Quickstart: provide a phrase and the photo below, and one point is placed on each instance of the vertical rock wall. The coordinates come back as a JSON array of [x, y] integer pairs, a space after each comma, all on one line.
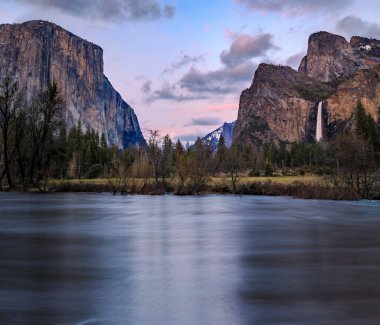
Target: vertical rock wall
[[36, 53]]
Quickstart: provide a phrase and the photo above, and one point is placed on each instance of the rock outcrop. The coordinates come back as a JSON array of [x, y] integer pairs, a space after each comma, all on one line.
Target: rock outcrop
[[364, 86], [330, 57], [278, 106], [36, 53], [281, 104]]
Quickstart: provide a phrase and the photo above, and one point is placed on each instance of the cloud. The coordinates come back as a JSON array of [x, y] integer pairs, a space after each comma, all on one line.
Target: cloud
[[222, 107], [170, 92], [237, 69], [183, 61], [146, 87], [245, 47], [296, 7], [221, 81], [107, 10], [191, 137], [236, 72], [206, 121], [169, 11], [295, 59], [140, 77], [351, 25]]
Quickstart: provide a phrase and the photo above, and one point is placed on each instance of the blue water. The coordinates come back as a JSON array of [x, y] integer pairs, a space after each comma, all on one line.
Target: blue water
[[103, 259]]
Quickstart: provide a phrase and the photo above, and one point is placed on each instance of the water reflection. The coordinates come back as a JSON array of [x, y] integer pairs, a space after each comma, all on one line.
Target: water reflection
[[319, 267], [102, 259]]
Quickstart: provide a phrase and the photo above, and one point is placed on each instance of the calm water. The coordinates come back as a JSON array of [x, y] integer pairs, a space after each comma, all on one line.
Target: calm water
[[103, 259]]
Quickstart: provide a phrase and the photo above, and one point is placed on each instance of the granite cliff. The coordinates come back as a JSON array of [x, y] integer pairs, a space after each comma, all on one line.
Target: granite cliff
[[36, 53], [281, 104], [331, 57]]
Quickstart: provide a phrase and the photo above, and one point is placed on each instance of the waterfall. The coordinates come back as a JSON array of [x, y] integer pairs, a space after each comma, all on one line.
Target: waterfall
[[318, 132]]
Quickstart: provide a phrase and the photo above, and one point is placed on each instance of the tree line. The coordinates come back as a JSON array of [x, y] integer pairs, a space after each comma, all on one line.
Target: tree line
[[35, 146]]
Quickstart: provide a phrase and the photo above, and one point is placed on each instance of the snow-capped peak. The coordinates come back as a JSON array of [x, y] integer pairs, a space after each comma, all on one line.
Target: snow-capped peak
[[213, 138], [366, 47]]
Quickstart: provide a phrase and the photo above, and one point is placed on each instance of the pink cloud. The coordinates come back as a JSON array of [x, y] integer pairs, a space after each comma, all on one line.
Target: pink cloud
[[296, 7], [247, 46], [222, 107], [230, 34]]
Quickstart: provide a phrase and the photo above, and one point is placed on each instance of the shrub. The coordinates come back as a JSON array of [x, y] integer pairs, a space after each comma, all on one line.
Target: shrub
[[95, 171]]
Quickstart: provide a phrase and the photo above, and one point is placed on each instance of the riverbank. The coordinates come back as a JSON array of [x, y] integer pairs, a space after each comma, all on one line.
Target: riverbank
[[305, 187]]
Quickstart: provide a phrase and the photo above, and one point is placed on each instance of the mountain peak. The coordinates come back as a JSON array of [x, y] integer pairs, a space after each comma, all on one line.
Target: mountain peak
[[366, 46], [326, 38], [44, 26], [329, 57], [212, 139]]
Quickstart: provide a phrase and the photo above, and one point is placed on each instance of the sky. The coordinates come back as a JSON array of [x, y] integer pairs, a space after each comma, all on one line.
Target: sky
[[182, 64]]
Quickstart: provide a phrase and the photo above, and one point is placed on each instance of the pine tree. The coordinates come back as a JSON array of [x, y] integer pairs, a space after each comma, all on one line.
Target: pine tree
[[220, 155], [167, 160], [360, 120]]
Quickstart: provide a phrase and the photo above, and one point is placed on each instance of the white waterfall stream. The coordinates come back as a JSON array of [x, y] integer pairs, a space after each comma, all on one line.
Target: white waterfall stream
[[318, 132]]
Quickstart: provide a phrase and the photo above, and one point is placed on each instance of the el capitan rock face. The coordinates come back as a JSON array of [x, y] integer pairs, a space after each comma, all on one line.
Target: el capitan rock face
[[36, 53], [281, 104]]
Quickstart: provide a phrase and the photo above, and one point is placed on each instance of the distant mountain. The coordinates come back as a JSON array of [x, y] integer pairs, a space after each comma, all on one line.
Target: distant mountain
[[212, 139]]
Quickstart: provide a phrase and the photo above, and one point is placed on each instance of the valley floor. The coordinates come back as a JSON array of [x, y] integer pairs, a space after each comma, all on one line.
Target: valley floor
[[306, 187]]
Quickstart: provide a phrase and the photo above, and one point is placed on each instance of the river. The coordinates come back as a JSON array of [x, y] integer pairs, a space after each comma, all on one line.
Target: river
[[214, 259]]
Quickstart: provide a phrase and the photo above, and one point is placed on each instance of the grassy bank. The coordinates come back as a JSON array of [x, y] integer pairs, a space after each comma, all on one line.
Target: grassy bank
[[306, 187]]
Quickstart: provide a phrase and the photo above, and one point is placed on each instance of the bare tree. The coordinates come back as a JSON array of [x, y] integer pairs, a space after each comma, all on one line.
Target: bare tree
[[198, 161], [10, 103], [233, 164], [154, 153], [43, 123]]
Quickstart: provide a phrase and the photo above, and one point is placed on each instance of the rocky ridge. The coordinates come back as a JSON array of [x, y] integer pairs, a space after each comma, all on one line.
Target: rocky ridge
[[212, 139], [330, 57], [281, 104], [36, 53]]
